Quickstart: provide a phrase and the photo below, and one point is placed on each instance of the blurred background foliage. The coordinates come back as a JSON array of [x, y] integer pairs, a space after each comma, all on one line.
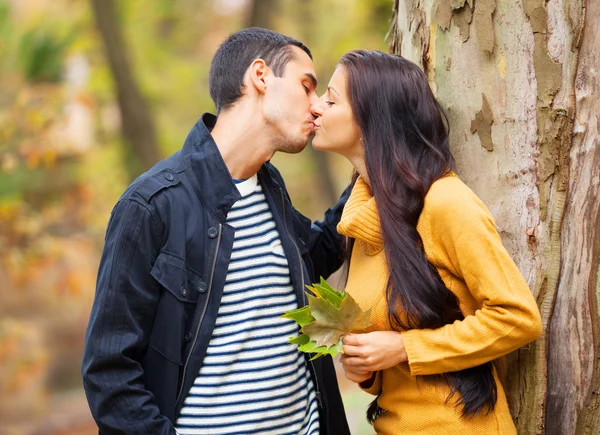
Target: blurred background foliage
[[91, 94]]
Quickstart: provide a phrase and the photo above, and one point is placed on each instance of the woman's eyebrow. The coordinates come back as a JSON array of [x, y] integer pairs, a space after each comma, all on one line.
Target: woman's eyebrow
[[329, 88]]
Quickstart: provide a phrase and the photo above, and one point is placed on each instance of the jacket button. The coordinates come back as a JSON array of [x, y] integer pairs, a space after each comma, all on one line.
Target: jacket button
[[169, 176], [212, 232], [183, 292], [202, 287], [187, 336]]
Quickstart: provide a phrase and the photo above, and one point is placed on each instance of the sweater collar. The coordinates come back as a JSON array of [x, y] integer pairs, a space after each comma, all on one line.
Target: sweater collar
[[360, 218]]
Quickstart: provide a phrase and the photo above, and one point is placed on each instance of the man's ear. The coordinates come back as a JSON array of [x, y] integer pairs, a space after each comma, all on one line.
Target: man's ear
[[258, 71]]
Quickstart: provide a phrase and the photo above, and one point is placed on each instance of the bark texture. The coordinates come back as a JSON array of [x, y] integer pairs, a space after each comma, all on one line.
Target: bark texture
[[262, 13], [136, 122], [320, 159], [519, 81]]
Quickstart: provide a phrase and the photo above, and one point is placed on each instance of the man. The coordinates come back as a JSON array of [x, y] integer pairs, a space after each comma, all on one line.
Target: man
[[203, 253]]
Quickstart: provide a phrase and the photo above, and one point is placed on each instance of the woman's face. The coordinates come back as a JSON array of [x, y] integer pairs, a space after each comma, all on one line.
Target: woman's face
[[335, 127]]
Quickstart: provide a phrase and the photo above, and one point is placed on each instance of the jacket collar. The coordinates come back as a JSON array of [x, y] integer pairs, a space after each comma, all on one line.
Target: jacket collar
[[206, 169], [360, 218]]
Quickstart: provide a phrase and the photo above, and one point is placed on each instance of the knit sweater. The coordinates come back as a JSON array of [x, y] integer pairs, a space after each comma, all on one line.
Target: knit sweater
[[501, 315]]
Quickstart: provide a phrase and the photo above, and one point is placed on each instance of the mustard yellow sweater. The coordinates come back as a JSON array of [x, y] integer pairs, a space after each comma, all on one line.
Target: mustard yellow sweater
[[501, 315]]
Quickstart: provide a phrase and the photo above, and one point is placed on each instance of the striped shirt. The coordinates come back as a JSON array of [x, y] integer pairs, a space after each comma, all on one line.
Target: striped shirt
[[252, 380]]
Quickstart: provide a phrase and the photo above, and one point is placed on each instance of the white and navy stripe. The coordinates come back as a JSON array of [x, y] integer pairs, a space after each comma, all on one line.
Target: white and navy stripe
[[252, 380]]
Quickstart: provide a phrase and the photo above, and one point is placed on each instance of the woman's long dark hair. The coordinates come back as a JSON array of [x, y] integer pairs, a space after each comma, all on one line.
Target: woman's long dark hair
[[405, 134]]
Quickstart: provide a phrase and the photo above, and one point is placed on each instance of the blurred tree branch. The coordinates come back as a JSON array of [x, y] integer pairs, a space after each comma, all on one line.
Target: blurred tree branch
[[137, 123]]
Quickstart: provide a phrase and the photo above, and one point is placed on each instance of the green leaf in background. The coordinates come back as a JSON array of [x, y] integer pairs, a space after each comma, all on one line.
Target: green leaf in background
[[42, 52], [328, 317]]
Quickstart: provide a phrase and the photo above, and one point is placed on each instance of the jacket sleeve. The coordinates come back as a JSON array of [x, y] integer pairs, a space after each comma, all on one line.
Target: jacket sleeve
[[121, 318], [469, 247], [325, 244]]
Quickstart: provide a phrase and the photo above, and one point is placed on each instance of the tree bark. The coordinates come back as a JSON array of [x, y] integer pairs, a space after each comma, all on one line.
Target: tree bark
[[519, 81], [136, 122], [574, 345], [319, 158], [261, 13]]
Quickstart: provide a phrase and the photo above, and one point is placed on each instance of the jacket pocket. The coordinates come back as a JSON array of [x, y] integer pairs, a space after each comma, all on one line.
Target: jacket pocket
[[181, 288], [183, 282]]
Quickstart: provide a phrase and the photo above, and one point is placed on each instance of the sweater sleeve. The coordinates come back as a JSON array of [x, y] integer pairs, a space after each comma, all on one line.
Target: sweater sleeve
[[373, 385], [465, 242]]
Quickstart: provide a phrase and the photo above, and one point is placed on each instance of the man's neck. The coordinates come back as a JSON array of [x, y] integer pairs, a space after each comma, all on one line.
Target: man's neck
[[242, 142]]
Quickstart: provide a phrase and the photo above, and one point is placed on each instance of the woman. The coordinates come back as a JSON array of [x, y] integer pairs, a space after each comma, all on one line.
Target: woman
[[446, 297]]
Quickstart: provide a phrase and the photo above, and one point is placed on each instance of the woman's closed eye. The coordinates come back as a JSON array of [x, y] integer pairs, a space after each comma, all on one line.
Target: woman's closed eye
[[329, 103]]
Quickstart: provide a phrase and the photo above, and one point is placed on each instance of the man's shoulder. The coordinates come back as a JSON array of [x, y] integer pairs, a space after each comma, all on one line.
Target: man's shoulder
[[162, 177]]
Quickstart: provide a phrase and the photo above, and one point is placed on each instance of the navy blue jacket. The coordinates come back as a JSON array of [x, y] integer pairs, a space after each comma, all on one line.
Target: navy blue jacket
[[161, 279]]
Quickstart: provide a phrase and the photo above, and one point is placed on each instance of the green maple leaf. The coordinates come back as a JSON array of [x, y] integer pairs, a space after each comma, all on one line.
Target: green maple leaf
[[332, 323], [328, 317], [301, 316], [326, 292]]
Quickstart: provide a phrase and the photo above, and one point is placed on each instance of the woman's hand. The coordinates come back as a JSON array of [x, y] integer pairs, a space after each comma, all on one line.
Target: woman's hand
[[357, 376], [370, 352]]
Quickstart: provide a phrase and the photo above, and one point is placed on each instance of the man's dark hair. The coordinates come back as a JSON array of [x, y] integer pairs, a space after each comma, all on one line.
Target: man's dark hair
[[235, 55]]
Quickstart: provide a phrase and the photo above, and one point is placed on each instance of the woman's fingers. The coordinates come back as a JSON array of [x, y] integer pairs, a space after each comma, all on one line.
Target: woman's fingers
[[352, 350], [351, 339], [373, 351], [357, 376], [351, 361], [356, 364], [357, 355], [358, 371]]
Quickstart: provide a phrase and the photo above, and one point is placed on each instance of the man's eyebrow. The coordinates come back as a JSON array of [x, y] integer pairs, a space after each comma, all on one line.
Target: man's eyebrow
[[312, 78], [331, 89]]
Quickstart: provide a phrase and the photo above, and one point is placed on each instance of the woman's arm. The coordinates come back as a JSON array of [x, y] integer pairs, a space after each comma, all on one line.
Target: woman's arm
[[466, 243]]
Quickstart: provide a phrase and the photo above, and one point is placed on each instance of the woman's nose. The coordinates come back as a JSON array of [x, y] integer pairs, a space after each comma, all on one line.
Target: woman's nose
[[317, 108]]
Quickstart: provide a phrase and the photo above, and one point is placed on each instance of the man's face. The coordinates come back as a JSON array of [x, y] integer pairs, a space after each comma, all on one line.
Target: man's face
[[287, 104]]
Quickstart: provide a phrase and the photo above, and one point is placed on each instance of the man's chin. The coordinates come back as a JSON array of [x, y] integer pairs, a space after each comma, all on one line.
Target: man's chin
[[299, 148], [293, 148]]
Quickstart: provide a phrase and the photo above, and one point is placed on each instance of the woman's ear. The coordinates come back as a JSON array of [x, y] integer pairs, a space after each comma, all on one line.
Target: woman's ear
[[258, 72]]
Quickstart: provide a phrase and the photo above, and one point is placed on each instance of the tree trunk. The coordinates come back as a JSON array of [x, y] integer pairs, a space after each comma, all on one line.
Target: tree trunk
[[519, 81], [319, 158], [262, 13], [136, 121]]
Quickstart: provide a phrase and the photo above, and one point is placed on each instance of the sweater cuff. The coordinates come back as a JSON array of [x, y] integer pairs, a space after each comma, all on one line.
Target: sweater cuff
[[410, 348], [373, 385]]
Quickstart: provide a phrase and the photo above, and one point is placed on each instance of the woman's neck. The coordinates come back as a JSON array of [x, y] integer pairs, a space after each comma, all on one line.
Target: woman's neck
[[358, 161]]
